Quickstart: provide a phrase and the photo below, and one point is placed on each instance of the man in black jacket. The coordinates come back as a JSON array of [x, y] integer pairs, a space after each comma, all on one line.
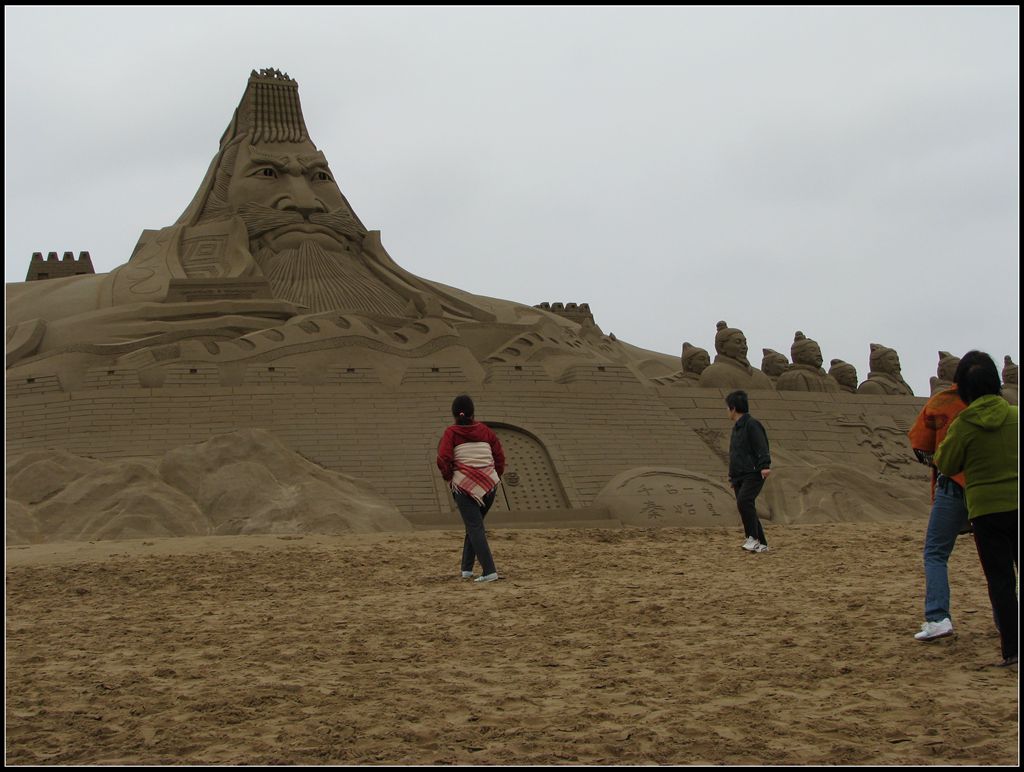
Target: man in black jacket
[[749, 466]]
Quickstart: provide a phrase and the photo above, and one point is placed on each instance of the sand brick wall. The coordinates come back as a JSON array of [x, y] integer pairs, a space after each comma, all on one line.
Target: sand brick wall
[[593, 426]]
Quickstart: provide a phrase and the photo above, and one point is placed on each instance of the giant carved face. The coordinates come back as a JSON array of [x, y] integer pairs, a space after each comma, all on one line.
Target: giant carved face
[[302, 234], [287, 195]]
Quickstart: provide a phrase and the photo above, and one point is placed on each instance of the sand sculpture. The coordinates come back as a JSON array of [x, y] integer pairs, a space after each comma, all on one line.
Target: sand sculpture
[[844, 374], [885, 376], [269, 306], [1009, 380], [943, 378], [731, 369], [806, 374], [773, 364], [270, 243], [58, 268], [694, 360]]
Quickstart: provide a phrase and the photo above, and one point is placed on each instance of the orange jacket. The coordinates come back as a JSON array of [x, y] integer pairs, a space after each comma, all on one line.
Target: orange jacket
[[929, 430]]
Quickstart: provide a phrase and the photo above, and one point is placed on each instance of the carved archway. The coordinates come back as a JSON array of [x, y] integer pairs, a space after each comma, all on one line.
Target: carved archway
[[531, 481]]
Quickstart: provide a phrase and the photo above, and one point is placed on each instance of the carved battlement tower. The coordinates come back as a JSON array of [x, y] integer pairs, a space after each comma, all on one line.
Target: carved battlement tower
[[575, 312], [58, 268]]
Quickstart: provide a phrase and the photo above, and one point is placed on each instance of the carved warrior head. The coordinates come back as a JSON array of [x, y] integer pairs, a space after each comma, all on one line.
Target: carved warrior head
[[805, 351], [731, 343], [884, 360], [695, 359], [947, 366], [844, 373], [773, 362], [1009, 370]]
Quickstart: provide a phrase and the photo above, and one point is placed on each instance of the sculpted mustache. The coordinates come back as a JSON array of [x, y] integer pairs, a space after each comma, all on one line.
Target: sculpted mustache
[[259, 219]]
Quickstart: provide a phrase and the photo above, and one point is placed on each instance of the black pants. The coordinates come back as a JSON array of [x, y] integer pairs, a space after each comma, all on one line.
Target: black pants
[[995, 536], [746, 489], [474, 546]]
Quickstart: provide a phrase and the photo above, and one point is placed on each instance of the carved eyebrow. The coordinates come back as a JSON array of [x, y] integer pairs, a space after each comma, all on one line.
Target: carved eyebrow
[[311, 162], [278, 161]]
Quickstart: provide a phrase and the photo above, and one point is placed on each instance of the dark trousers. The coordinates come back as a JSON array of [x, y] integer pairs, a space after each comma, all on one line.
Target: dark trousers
[[474, 546], [995, 536], [746, 489]]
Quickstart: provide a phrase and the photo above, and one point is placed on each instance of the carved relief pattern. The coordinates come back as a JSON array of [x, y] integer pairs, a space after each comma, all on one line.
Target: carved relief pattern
[[886, 439], [201, 256], [716, 441]]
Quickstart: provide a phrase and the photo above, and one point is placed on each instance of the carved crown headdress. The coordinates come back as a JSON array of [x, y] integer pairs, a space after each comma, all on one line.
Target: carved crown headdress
[[270, 110]]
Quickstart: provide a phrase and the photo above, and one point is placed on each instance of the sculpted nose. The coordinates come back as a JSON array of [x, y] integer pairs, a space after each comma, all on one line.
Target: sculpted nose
[[300, 198]]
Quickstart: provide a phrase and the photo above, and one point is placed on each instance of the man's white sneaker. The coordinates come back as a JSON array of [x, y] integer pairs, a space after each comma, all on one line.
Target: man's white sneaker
[[749, 544], [760, 547], [467, 574], [487, 577], [932, 630]]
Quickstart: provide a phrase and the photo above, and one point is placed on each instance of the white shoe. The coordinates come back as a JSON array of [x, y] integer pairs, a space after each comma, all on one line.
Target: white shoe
[[467, 574], [487, 577], [932, 630], [758, 547], [749, 544]]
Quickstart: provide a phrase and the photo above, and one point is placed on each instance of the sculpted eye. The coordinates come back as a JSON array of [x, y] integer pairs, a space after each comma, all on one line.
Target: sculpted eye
[[265, 171], [322, 177]]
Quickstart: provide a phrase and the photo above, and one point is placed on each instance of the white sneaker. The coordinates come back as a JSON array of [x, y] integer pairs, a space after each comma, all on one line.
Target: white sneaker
[[758, 547], [467, 574], [932, 630], [487, 577], [749, 544]]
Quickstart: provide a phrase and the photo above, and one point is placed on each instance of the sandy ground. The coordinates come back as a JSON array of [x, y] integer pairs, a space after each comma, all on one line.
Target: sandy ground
[[668, 646]]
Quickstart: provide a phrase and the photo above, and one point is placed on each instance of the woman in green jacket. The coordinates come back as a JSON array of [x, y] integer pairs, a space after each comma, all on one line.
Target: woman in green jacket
[[982, 441]]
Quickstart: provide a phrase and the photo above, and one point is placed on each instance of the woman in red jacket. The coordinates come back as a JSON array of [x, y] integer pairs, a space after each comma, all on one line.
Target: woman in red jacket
[[472, 461]]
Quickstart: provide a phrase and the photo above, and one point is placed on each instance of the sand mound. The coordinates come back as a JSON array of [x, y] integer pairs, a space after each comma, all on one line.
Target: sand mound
[[244, 482]]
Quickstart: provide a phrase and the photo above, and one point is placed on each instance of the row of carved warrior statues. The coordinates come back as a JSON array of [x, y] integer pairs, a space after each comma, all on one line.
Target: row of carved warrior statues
[[732, 370]]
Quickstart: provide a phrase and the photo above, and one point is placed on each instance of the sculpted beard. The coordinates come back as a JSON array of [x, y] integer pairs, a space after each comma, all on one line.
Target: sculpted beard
[[261, 219], [315, 276]]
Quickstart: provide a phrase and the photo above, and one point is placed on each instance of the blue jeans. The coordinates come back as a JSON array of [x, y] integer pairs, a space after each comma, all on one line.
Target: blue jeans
[[947, 520], [475, 546]]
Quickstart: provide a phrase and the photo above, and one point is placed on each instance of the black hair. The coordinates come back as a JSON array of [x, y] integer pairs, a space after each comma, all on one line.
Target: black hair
[[737, 400], [463, 410], [976, 376]]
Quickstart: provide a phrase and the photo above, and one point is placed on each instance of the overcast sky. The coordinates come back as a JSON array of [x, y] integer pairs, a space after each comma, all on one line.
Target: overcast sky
[[849, 172]]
